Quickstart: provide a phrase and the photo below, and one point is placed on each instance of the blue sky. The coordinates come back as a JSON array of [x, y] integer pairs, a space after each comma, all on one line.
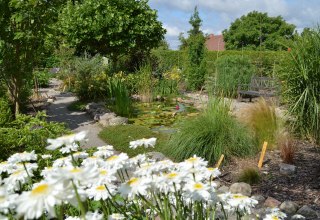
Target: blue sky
[[217, 15]]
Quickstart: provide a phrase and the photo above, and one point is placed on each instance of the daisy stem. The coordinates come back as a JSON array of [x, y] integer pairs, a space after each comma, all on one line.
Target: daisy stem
[[224, 211], [29, 177], [81, 206]]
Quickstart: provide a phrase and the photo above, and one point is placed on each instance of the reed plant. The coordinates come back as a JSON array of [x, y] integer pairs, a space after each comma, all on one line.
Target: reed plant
[[212, 133], [121, 97], [301, 79]]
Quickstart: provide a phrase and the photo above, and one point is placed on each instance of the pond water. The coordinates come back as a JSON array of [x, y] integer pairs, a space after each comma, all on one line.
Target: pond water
[[160, 116]]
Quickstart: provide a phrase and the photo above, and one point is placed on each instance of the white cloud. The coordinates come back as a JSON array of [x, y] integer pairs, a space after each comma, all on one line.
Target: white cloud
[[172, 31]]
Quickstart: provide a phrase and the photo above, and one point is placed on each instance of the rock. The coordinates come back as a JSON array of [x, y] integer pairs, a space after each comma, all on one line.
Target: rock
[[271, 202], [307, 212], [96, 117], [289, 207], [118, 121], [259, 198], [157, 156], [107, 116], [260, 213], [50, 100], [297, 216], [241, 188], [287, 169], [222, 189]]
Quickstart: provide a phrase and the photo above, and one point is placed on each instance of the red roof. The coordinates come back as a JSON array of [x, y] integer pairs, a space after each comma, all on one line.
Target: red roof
[[215, 42]]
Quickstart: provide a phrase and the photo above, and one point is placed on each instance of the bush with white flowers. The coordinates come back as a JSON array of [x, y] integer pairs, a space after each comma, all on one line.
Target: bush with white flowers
[[112, 186]]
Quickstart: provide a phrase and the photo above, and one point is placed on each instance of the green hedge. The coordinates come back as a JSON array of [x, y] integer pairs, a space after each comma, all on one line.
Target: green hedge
[[264, 60]]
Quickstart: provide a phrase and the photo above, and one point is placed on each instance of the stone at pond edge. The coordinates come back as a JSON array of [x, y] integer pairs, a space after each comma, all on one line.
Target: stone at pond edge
[[259, 198], [287, 169], [118, 121], [242, 188], [297, 216], [223, 189], [289, 207], [157, 156], [307, 212], [271, 202]]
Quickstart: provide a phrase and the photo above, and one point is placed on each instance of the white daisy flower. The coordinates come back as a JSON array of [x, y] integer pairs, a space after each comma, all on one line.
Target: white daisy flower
[[106, 176], [67, 141], [137, 160], [134, 186], [7, 201], [93, 160], [22, 157], [193, 162], [238, 202], [98, 192], [80, 155], [103, 153], [116, 216], [275, 214], [63, 162], [29, 166], [150, 142], [117, 161], [46, 156], [7, 167], [32, 204], [16, 180], [197, 191], [145, 169], [169, 182], [94, 216]]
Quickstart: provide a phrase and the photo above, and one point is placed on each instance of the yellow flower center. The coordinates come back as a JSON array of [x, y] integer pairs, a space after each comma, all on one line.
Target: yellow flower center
[[275, 218], [93, 157], [239, 197], [101, 188], [114, 157], [75, 170], [211, 168], [2, 198], [198, 186], [103, 172], [4, 163], [133, 181], [172, 175], [17, 172], [192, 160], [41, 189]]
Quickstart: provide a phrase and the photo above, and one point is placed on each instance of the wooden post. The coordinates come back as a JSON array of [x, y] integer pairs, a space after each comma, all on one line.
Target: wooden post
[[220, 161], [263, 152]]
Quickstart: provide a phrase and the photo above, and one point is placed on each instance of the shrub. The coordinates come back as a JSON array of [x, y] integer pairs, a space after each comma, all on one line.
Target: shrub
[[41, 78], [249, 175], [230, 72], [168, 84], [287, 148], [211, 134], [262, 118], [145, 83], [28, 133], [6, 115], [119, 136], [301, 77]]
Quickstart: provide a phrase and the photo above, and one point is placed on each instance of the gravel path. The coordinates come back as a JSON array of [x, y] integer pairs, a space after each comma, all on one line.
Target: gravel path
[[76, 121]]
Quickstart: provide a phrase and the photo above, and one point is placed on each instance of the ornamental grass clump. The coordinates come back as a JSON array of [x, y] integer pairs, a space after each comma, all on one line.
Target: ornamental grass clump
[[301, 80], [212, 133], [99, 186]]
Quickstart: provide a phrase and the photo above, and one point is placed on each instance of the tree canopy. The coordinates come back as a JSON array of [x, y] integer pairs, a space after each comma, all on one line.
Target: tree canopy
[[111, 27], [256, 31]]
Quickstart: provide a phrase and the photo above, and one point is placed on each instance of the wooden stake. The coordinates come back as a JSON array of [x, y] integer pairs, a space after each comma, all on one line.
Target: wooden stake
[[263, 152], [220, 161]]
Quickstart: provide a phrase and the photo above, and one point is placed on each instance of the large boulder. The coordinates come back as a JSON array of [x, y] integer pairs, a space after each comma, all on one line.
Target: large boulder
[[307, 212], [157, 156], [272, 202], [289, 207], [118, 121], [241, 188]]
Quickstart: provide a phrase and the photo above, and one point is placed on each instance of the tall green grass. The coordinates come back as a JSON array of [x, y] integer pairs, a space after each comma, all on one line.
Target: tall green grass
[[212, 133], [230, 72], [121, 96], [301, 78], [266, 125]]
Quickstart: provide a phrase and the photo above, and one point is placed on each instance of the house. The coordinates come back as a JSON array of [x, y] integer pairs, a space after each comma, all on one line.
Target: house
[[215, 43]]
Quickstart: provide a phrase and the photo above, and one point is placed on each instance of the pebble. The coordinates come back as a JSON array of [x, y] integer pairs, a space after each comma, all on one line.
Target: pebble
[[289, 207], [307, 212], [241, 188], [287, 169], [271, 202]]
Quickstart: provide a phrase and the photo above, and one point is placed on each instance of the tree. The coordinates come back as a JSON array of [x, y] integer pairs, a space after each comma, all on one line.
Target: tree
[[23, 27], [196, 69], [111, 27], [257, 31]]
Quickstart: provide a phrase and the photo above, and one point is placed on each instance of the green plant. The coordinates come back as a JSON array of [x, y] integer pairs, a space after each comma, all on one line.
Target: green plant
[[249, 175], [230, 72], [6, 115], [262, 118], [119, 136], [212, 133], [301, 78], [77, 106], [28, 133], [145, 83], [120, 93], [41, 78]]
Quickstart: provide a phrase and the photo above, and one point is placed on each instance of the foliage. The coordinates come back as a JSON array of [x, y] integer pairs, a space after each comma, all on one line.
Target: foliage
[[119, 136], [110, 28], [5, 112], [23, 28], [258, 31], [28, 133], [121, 96], [262, 118], [168, 84], [301, 80], [41, 78], [211, 134], [249, 175], [230, 72], [145, 83]]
